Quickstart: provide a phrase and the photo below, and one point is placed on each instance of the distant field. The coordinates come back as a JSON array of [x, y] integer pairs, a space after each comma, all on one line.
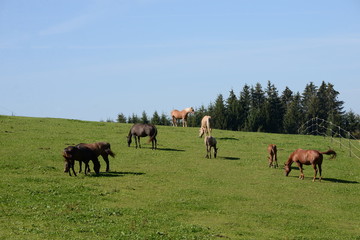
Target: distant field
[[172, 192]]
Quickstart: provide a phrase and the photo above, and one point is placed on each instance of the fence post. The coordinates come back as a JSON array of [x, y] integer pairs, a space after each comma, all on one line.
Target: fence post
[[339, 136]]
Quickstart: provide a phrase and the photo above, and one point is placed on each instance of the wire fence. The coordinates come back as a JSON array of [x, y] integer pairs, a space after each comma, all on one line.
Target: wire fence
[[338, 135]]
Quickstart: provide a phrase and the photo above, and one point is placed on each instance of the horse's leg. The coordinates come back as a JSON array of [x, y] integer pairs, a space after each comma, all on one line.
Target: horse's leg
[[106, 159], [80, 165], [315, 171], [319, 171], [276, 163], [139, 142], [301, 170], [155, 143], [73, 169], [136, 144]]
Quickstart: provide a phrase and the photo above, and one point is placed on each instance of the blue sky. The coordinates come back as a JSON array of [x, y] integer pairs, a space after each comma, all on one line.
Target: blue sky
[[91, 60]]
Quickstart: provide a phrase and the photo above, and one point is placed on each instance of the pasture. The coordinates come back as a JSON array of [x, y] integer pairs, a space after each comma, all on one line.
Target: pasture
[[173, 192]]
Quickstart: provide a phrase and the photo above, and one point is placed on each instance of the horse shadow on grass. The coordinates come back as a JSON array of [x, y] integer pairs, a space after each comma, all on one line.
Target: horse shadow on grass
[[171, 149], [116, 174], [230, 158], [228, 138], [336, 180]]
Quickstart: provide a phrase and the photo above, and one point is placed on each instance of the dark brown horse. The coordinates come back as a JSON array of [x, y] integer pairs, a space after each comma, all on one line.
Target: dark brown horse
[[307, 157], [272, 150], [99, 148], [142, 130], [79, 153]]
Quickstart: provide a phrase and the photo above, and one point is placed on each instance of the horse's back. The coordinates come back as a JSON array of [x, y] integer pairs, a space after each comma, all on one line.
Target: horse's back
[[307, 157]]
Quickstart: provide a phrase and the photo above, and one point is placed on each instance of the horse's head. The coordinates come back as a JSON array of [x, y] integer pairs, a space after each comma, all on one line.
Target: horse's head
[[190, 110], [129, 140]]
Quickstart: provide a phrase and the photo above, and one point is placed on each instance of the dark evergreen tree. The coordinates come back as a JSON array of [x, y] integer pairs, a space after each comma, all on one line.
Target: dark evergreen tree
[[165, 120], [310, 102], [255, 121], [232, 111], [144, 118], [156, 119], [133, 119], [293, 117], [121, 118], [219, 113], [286, 98], [273, 110], [244, 106]]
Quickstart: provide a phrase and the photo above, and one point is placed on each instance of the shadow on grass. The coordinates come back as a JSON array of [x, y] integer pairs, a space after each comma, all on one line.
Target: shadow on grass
[[229, 138], [338, 180], [171, 149], [116, 174], [230, 158]]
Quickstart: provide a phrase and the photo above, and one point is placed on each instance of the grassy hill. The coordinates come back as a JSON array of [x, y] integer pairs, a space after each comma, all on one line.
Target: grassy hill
[[173, 192]]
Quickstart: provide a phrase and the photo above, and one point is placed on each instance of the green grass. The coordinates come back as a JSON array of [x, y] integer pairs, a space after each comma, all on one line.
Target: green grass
[[173, 192]]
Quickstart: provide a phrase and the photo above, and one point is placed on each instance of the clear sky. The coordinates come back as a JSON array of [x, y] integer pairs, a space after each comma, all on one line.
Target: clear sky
[[90, 60]]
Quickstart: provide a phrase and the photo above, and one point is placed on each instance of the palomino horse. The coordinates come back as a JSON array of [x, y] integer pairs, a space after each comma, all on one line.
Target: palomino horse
[[175, 114], [205, 126], [307, 157], [142, 130], [272, 150]]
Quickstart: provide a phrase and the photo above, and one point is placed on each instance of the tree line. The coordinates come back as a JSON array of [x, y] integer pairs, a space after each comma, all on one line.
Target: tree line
[[258, 109]]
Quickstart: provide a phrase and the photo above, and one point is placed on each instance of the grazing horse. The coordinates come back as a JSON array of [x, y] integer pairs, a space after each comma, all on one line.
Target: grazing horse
[[205, 126], [210, 142], [272, 150], [175, 114], [80, 153], [142, 130], [99, 148], [307, 157]]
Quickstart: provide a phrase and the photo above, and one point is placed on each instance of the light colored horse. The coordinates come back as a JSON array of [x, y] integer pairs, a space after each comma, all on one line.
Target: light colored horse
[[210, 142], [205, 126], [175, 114]]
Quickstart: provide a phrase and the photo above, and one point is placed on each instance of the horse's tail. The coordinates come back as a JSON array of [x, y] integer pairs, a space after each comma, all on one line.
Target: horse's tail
[[153, 136], [330, 152], [208, 126]]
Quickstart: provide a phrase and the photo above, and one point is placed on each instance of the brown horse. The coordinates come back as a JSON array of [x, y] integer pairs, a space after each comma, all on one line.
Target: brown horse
[[81, 154], [99, 148], [142, 130], [307, 157], [272, 150], [175, 114], [205, 126]]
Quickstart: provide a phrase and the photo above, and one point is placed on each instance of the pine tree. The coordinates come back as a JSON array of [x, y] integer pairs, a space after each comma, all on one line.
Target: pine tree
[[293, 115], [219, 113], [165, 120], [310, 102], [244, 106], [273, 110], [121, 118], [144, 118], [255, 121], [232, 111], [155, 119]]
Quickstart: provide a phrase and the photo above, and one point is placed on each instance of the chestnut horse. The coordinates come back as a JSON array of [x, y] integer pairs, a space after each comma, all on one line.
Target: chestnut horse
[[307, 157], [205, 126], [272, 150], [175, 114]]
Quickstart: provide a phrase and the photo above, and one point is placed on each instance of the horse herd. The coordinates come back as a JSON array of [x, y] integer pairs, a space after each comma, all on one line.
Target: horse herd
[[90, 152]]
